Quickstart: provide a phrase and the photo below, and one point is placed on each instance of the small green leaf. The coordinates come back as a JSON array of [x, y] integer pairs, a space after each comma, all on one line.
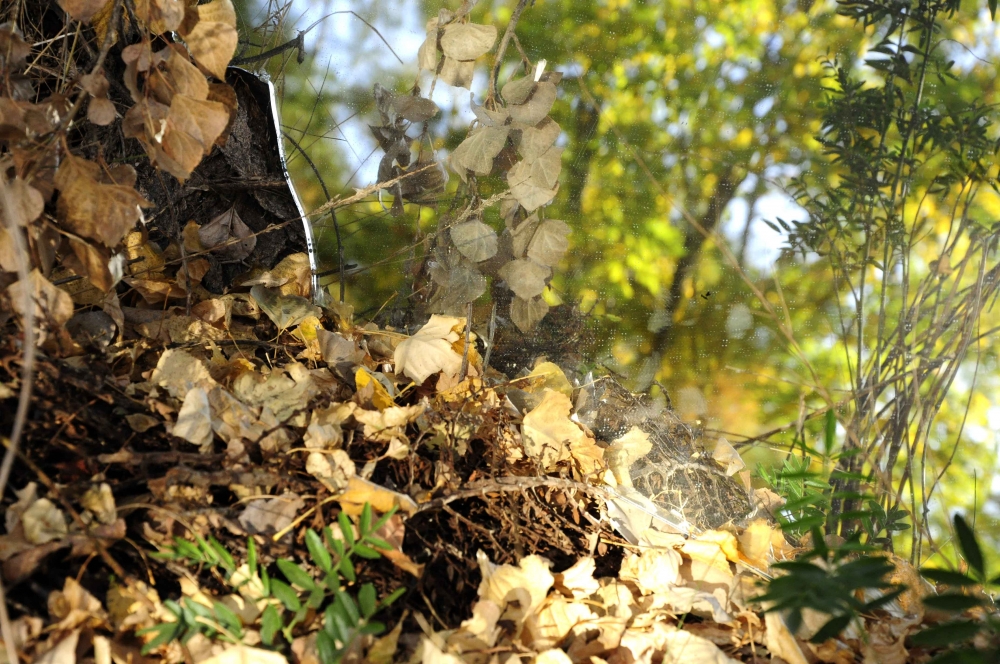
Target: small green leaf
[[346, 529], [832, 628], [207, 552], [347, 569], [187, 550], [382, 520], [378, 543], [165, 633], [367, 600], [284, 593], [332, 542], [265, 581], [374, 628], [393, 596], [225, 559], [993, 9], [317, 551], [251, 556], [830, 433], [952, 602], [336, 624], [295, 574], [270, 623], [227, 618], [970, 547], [350, 608], [316, 597], [328, 651], [945, 634], [365, 522], [948, 577], [366, 551]]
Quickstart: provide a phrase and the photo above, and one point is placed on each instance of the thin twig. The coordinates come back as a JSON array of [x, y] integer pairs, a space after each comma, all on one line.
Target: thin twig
[[333, 212], [11, 217], [502, 49]]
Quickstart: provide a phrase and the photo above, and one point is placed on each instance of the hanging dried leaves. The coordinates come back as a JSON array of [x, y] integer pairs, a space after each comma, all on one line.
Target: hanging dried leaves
[[209, 31], [475, 240], [92, 209], [525, 277], [451, 48]]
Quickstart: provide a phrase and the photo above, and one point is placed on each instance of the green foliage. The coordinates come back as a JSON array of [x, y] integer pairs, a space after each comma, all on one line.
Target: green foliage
[[829, 579], [292, 601], [968, 593]]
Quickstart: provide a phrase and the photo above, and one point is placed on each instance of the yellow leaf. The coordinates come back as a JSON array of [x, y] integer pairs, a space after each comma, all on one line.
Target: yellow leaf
[[381, 398]]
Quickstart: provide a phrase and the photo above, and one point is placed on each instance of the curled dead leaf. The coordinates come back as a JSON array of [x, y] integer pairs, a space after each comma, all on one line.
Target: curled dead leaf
[[430, 350], [475, 240], [525, 277], [549, 242], [91, 209], [209, 31], [467, 41]]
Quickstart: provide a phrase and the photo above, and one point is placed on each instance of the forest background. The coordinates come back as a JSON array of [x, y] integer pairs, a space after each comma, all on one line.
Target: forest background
[[671, 111]]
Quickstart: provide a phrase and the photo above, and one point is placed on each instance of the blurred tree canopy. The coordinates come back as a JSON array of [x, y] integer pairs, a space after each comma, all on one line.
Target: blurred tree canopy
[[685, 124]]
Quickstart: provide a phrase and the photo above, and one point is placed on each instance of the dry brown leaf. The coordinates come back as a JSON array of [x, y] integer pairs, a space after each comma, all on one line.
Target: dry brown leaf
[[43, 522], [526, 314], [27, 202], [525, 277], [549, 242], [140, 422], [92, 263], [467, 41], [372, 389], [333, 468], [546, 168], [430, 350], [360, 491], [209, 31], [534, 110], [271, 515], [527, 189], [548, 431], [522, 233], [517, 91], [427, 55], [241, 654], [160, 15], [285, 311], [228, 237], [532, 574], [535, 141], [194, 420], [780, 641], [101, 111], [102, 212], [101, 503], [477, 151], [293, 275], [51, 302], [63, 652], [83, 10], [172, 73], [488, 117], [179, 372], [475, 240], [414, 109], [13, 46], [726, 455], [457, 72]]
